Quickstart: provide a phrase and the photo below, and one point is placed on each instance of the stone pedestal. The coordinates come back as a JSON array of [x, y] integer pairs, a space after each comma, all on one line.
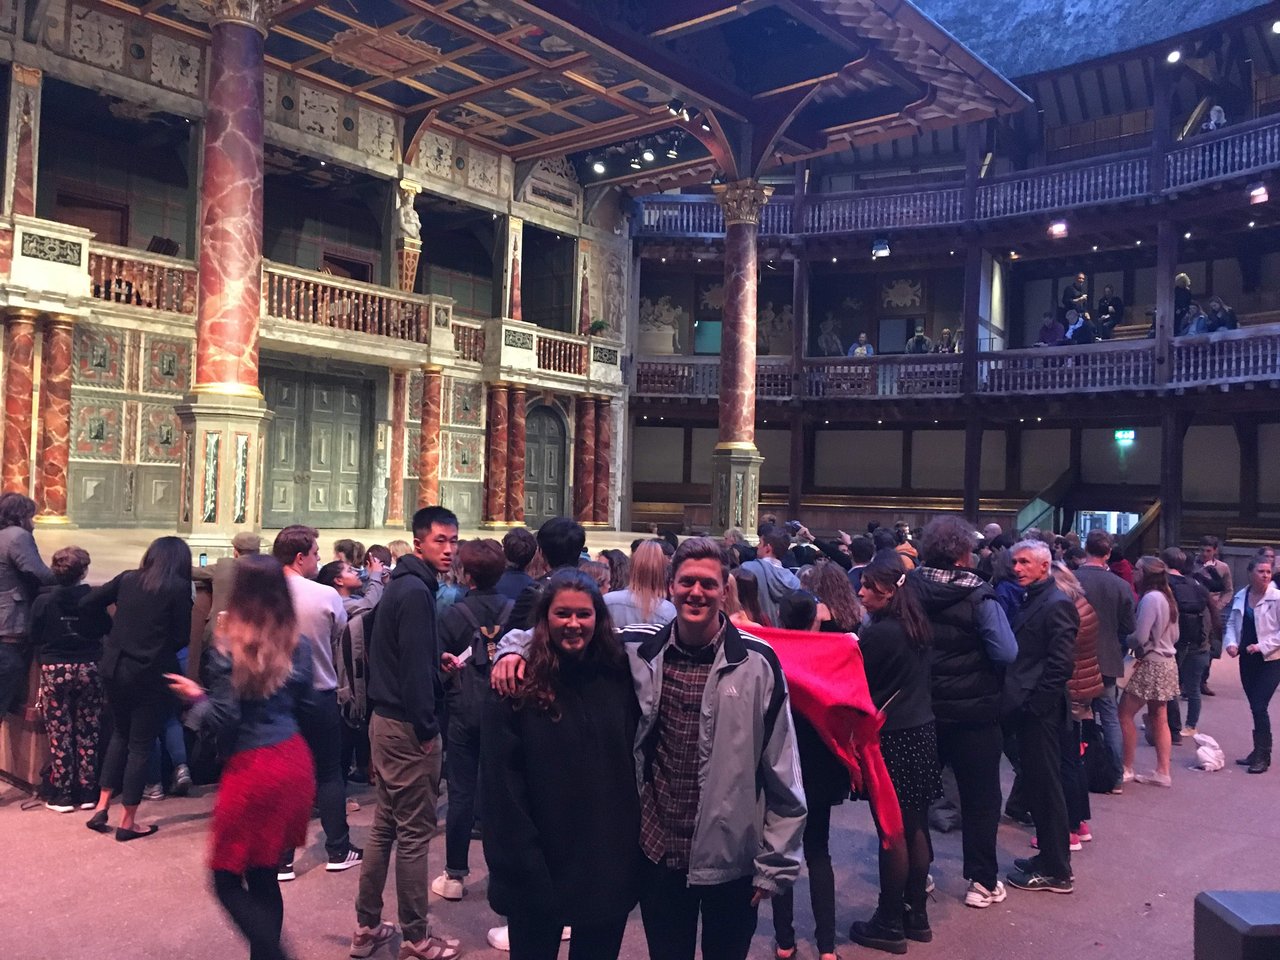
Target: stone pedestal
[[495, 468], [429, 438], [735, 488], [222, 468], [55, 423], [19, 375], [408, 251], [516, 448]]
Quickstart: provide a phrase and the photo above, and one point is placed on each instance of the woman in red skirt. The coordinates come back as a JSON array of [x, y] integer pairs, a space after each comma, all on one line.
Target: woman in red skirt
[[260, 683]]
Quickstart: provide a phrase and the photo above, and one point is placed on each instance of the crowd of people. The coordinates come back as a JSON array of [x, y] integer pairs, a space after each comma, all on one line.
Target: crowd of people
[[1078, 322], [619, 730]]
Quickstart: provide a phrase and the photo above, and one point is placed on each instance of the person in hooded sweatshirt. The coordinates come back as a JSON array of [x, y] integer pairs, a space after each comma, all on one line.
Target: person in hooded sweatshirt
[[972, 642], [775, 581]]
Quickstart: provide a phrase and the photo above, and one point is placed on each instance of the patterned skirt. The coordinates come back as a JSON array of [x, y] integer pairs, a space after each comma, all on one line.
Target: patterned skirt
[[912, 758], [1154, 678], [263, 806]]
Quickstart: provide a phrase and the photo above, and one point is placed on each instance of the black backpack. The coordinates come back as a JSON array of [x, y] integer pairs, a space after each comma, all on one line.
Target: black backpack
[[468, 689], [1192, 602]]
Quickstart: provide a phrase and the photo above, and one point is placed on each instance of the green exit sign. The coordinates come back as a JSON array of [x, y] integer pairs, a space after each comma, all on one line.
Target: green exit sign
[[1125, 437]]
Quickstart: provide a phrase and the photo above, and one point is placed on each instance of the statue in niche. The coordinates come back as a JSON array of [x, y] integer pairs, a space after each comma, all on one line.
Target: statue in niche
[[408, 222]]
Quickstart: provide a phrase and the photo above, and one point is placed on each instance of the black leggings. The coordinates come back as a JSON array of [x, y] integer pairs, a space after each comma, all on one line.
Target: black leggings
[[1260, 678], [254, 903], [904, 867], [822, 887]]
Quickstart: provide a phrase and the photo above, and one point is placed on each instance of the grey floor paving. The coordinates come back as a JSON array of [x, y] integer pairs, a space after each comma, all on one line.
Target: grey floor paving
[[69, 894]]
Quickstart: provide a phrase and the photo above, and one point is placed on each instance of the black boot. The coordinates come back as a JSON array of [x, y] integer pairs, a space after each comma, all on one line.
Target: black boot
[[1253, 754], [881, 932], [915, 923], [1262, 756]]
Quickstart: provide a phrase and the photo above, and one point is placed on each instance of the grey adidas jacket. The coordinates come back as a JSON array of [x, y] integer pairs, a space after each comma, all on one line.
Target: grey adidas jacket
[[751, 807]]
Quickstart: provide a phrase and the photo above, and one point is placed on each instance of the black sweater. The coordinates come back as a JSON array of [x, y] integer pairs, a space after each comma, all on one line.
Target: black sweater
[[894, 666], [149, 629], [62, 632], [404, 652], [560, 806]]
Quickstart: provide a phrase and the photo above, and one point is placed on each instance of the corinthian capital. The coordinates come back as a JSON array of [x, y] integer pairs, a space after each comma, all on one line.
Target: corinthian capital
[[250, 13], [742, 200]]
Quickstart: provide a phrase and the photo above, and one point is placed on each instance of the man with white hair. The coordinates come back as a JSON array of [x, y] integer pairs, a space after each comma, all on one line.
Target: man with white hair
[[1036, 699]]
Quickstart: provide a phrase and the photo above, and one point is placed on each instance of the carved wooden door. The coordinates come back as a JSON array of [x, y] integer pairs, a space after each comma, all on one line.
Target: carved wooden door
[[546, 449], [317, 451]]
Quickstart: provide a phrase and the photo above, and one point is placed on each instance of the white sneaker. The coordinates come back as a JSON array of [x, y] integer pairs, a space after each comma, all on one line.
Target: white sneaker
[[450, 888], [979, 896], [499, 939]]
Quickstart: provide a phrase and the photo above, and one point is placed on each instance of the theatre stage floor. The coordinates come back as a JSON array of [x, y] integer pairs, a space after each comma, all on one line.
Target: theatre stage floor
[[72, 894]]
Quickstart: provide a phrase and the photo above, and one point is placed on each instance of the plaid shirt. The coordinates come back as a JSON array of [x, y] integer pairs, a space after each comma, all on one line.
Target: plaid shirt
[[669, 797]]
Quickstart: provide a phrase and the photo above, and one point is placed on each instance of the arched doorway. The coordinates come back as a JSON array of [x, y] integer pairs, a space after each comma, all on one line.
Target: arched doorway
[[546, 452]]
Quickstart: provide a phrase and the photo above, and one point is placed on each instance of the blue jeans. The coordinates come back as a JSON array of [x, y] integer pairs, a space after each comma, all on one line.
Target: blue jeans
[[1104, 711], [463, 766], [1190, 674], [172, 738]]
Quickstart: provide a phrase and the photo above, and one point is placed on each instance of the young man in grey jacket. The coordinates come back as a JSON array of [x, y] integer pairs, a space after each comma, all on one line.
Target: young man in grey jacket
[[722, 808], [774, 580]]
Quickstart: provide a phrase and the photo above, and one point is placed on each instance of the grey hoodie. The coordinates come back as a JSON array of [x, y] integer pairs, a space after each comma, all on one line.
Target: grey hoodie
[[775, 581]]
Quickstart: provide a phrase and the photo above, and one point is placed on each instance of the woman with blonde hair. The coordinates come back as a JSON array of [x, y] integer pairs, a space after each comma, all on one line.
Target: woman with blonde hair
[[1155, 677], [645, 598], [260, 683]]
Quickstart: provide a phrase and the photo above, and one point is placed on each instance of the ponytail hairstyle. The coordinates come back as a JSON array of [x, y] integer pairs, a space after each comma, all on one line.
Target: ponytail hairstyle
[[887, 575]]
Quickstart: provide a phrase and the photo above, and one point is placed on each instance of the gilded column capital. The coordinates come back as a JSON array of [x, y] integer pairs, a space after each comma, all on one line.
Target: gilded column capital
[[27, 76], [249, 13], [59, 320], [742, 200], [21, 315]]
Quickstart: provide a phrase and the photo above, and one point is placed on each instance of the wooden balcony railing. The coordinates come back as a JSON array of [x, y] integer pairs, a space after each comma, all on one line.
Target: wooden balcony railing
[[1064, 186], [140, 279], [699, 377], [1235, 151], [327, 301], [561, 353], [1231, 356], [468, 339], [872, 210], [1092, 369], [884, 376]]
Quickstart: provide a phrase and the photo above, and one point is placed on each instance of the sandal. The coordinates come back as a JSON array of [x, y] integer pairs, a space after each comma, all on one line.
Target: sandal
[[124, 836], [98, 822]]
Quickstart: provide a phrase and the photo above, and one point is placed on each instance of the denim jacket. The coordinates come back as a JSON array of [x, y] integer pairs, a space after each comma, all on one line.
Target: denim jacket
[[246, 724]]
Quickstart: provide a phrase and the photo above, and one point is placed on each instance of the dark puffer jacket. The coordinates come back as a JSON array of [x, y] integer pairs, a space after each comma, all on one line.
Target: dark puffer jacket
[[1086, 680], [965, 681]]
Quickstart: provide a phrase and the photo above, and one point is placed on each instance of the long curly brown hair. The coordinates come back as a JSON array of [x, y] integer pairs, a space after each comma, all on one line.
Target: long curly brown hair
[[830, 584], [542, 670]]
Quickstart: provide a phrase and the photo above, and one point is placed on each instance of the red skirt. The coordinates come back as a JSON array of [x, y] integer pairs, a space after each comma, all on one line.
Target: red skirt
[[263, 806]]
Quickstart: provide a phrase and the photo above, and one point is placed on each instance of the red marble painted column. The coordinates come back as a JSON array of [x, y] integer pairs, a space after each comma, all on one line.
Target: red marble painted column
[[55, 422], [24, 124], [516, 455], [584, 460], [604, 452], [735, 482], [231, 205], [429, 438], [395, 465], [19, 374], [495, 468]]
